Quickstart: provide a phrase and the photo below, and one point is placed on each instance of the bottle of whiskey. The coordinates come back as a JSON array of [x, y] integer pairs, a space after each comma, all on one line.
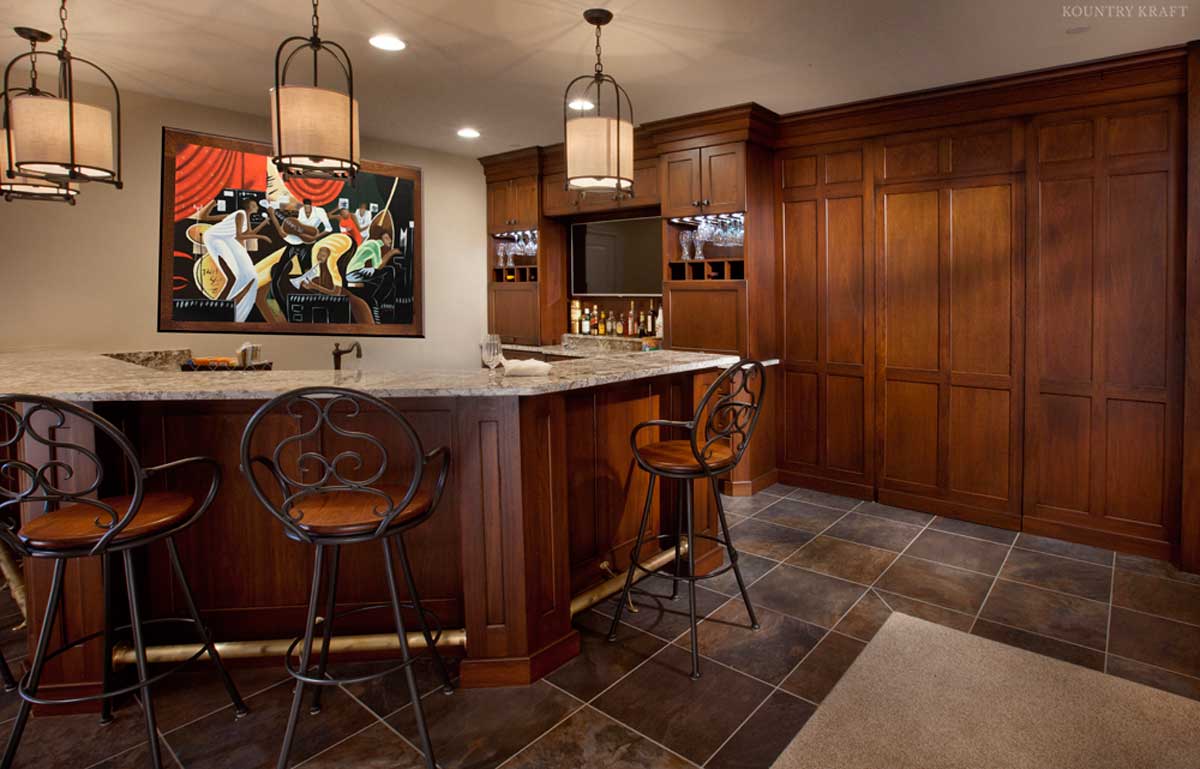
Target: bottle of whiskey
[[585, 323], [621, 324], [595, 321], [603, 323]]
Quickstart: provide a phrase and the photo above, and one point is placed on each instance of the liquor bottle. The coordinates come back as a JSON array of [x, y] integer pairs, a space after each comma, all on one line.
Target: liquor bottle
[[650, 321], [603, 323], [641, 323], [595, 321], [585, 323], [621, 324]]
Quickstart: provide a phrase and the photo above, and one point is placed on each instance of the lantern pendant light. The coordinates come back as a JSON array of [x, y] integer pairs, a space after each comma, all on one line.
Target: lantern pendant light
[[314, 130], [51, 141], [598, 127]]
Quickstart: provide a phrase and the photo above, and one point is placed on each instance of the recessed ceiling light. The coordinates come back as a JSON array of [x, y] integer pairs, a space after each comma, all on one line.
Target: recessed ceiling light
[[386, 42], [1078, 30], [468, 133], [579, 105]]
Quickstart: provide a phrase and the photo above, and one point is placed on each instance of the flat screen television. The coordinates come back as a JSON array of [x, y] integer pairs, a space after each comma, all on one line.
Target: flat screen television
[[617, 258]]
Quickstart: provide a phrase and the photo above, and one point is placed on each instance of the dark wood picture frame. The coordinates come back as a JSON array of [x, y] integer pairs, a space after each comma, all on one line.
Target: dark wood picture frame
[[172, 141]]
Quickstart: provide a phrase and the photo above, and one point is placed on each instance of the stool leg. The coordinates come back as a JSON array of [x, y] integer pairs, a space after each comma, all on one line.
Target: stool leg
[[327, 625], [239, 706], [6, 675], [139, 646], [733, 555], [106, 716], [406, 568], [687, 485], [634, 559], [413, 692], [678, 540], [39, 661], [305, 653]]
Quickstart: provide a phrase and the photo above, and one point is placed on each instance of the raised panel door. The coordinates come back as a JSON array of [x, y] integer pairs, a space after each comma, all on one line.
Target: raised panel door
[[513, 313], [1104, 382], [645, 185], [524, 203], [723, 178], [827, 422], [679, 182], [951, 275], [557, 200], [499, 206]]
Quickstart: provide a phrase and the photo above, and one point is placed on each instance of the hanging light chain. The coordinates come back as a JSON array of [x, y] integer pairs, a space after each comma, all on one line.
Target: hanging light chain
[[316, 19], [33, 86], [599, 65], [62, 23]]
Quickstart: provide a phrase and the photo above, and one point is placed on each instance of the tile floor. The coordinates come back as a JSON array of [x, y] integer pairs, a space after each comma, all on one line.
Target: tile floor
[[825, 573]]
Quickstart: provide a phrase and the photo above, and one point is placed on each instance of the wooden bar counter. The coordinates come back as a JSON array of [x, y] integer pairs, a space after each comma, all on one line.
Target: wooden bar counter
[[542, 504]]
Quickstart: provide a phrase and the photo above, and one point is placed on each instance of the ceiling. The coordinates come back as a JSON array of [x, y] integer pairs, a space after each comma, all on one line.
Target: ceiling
[[501, 65]]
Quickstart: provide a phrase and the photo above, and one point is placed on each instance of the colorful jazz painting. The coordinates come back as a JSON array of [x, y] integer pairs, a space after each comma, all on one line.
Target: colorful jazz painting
[[246, 250]]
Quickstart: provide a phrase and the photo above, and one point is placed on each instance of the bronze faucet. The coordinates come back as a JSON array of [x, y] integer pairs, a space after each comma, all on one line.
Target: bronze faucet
[[338, 352]]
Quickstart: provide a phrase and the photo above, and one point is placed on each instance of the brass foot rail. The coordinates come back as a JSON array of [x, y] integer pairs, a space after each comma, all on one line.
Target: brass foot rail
[[276, 647]]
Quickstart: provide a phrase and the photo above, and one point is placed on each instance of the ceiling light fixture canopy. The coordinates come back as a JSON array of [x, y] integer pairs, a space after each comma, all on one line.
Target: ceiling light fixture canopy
[[314, 130], [598, 126], [52, 142]]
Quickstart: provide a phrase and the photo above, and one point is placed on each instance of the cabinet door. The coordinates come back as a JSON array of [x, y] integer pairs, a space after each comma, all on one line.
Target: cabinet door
[[499, 195], [950, 278], [524, 203], [723, 178], [556, 199], [705, 316], [513, 313], [679, 182], [645, 185]]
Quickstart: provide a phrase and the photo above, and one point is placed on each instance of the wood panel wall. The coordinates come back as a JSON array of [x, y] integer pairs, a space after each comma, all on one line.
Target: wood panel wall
[[986, 318]]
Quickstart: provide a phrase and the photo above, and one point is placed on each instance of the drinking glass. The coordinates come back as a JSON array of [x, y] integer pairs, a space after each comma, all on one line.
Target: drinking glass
[[685, 245], [509, 250], [500, 254], [491, 354]]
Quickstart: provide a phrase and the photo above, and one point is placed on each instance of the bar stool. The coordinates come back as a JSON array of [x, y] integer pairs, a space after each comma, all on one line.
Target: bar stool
[[718, 435], [349, 497], [76, 525]]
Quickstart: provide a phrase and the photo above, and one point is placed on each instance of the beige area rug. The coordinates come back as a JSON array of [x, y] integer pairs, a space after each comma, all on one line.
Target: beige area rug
[[922, 696]]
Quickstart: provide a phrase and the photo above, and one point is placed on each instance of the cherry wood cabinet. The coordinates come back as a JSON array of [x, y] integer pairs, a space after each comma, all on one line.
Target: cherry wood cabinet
[[949, 337], [513, 312], [704, 180], [1105, 381], [557, 201], [708, 316], [513, 204]]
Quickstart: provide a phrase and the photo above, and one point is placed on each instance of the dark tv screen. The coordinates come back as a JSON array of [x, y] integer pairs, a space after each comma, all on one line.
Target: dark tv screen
[[621, 258]]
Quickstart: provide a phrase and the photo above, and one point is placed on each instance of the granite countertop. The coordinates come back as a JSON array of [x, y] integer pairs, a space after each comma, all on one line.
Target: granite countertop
[[77, 376], [552, 349]]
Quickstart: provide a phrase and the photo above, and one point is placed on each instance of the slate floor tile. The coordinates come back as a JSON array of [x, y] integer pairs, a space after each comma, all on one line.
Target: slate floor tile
[[843, 559], [822, 669], [806, 595]]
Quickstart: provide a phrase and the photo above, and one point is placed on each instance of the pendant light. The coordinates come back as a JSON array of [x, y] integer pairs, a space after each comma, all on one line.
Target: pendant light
[[314, 130], [52, 141], [598, 127]]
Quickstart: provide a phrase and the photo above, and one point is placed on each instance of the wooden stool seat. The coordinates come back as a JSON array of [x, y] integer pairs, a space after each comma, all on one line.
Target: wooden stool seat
[[73, 526], [346, 513], [678, 457]]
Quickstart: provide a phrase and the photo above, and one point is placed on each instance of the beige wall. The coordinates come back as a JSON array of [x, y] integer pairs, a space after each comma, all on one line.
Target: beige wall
[[86, 277]]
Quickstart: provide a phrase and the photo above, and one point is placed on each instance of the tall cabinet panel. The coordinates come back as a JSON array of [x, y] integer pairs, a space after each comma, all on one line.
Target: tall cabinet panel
[[949, 277], [826, 412], [1104, 384]]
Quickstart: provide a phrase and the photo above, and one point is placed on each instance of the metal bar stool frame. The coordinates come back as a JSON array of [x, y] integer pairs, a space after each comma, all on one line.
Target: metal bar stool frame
[[727, 414], [41, 489], [320, 403]]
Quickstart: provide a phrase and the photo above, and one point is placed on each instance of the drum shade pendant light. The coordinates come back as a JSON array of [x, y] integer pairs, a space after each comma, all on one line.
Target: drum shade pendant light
[[52, 140], [598, 127], [314, 130]]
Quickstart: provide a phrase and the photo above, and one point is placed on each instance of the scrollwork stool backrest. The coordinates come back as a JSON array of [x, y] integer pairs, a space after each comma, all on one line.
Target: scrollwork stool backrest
[[32, 423], [305, 464], [729, 412]]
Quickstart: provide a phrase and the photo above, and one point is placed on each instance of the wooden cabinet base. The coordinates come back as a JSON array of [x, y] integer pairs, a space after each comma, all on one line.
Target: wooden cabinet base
[[518, 671]]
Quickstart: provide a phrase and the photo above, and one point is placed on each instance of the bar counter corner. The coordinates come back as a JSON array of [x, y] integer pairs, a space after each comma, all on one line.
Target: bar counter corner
[[541, 507]]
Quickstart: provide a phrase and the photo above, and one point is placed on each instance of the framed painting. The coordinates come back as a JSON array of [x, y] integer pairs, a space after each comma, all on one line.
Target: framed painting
[[244, 250]]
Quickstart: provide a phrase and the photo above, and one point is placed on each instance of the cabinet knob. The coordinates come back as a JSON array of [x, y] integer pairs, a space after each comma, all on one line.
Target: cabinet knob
[[705, 202], [695, 204]]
